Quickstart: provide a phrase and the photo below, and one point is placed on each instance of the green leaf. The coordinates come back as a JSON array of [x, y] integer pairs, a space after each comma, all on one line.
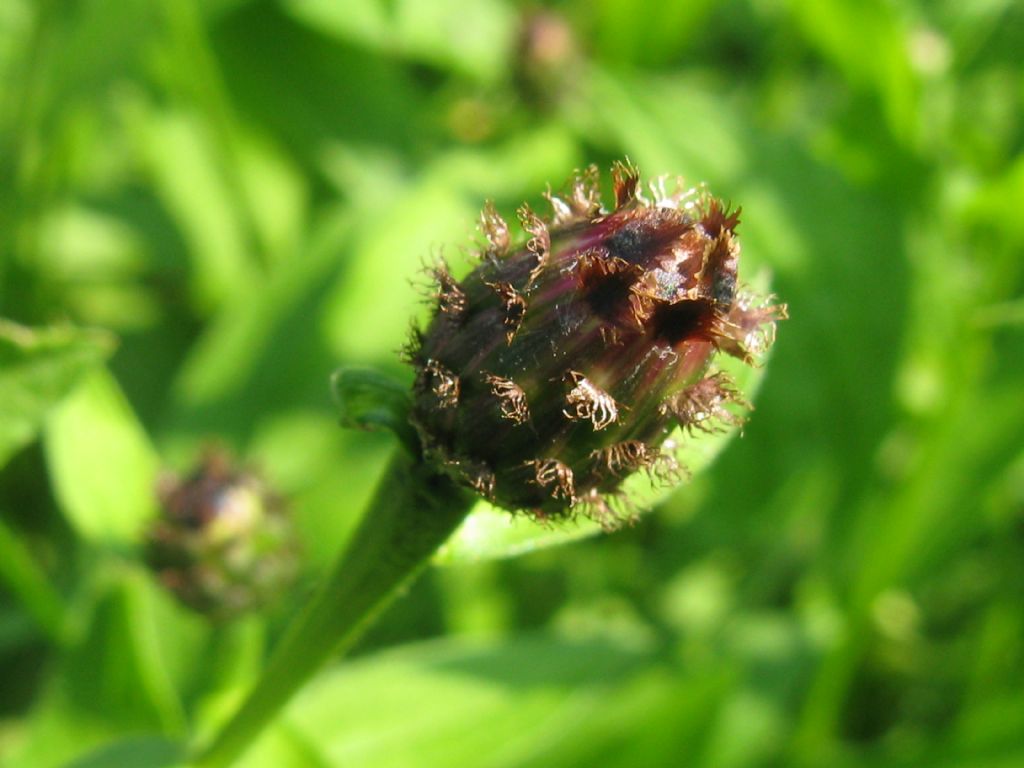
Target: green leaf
[[473, 39], [450, 703], [192, 184], [138, 752], [367, 314], [865, 41], [361, 21], [116, 679], [102, 464], [119, 671], [648, 31], [257, 330], [38, 367], [28, 583]]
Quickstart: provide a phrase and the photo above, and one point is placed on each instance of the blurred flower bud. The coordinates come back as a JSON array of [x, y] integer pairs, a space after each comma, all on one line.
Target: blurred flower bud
[[224, 544], [555, 370], [548, 59]]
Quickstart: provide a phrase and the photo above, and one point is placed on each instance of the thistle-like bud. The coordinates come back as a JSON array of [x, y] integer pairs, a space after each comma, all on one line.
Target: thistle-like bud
[[224, 544], [556, 369]]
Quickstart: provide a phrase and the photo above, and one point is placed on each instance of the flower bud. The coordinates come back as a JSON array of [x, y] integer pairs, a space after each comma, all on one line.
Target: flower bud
[[548, 60], [224, 544], [556, 369]]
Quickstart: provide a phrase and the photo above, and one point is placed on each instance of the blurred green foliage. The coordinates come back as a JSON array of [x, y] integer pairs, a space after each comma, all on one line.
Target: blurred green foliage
[[241, 194]]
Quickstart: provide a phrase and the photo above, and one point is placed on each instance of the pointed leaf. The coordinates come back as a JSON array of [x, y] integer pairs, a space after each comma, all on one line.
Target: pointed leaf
[[368, 399], [38, 367], [102, 463]]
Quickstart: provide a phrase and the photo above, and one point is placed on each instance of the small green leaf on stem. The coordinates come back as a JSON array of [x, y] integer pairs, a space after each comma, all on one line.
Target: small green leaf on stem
[[371, 400]]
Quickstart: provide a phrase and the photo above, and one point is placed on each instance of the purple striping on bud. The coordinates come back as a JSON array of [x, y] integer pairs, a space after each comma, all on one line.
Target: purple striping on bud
[[556, 369]]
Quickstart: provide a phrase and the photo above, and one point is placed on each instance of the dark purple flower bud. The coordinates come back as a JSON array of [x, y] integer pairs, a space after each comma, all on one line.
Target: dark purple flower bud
[[224, 544], [555, 370]]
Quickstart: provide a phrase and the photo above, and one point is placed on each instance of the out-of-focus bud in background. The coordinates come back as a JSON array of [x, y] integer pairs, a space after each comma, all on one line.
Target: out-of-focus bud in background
[[548, 57], [224, 544]]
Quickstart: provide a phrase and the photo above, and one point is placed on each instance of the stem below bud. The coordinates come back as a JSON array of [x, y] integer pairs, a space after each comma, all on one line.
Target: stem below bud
[[413, 512]]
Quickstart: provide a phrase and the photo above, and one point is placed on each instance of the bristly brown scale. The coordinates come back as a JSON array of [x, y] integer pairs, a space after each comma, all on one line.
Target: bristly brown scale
[[588, 402], [561, 211], [625, 458], [701, 406], [511, 398], [586, 345], [515, 307], [582, 203], [609, 510], [495, 231], [666, 470], [539, 243], [449, 296], [626, 183], [477, 476], [748, 331], [585, 193], [718, 219], [555, 478], [441, 383]]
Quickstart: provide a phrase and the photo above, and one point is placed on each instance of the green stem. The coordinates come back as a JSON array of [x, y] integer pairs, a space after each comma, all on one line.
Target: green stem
[[30, 585], [412, 514]]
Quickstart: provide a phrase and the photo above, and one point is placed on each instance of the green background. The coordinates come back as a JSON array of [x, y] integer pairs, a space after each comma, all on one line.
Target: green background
[[207, 207]]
